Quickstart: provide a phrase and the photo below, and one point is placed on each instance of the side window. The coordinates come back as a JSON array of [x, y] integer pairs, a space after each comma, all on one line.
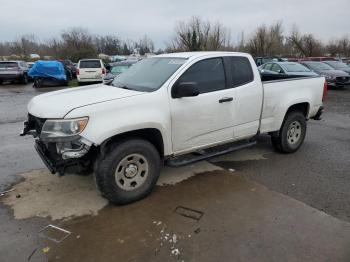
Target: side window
[[276, 68], [242, 72], [209, 75], [268, 66]]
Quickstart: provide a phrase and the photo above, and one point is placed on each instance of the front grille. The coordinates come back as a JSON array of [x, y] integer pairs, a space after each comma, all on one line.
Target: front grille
[[343, 79], [36, 123]]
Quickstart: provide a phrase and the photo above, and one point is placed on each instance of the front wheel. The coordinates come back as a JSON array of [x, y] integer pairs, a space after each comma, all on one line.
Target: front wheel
[[128, 172], [292, 133]]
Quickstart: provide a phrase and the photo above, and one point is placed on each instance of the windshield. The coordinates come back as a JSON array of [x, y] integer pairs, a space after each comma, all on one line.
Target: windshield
[[337, 65], [119, 69], [319, 66], [149, 74], [293, 67]]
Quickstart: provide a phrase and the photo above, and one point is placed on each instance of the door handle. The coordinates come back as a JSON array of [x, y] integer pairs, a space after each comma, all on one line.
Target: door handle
[[226, 99]]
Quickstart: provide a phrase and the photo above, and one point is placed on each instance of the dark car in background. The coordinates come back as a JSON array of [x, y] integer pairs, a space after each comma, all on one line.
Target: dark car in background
[[334, 78], [14, 71], [338, 66], [263, 60], [116, 69], [284, 70], [321, 58]]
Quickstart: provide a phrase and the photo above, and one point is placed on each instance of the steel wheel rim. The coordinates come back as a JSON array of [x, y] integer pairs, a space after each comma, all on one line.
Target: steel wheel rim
[[294, 132], [131, 172]]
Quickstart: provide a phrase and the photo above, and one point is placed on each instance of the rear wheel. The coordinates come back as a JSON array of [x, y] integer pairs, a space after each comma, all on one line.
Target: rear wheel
[[292, 133], [128, 172]]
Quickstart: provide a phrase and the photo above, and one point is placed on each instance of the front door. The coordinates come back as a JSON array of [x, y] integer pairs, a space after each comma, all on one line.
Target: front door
[[208, 118]]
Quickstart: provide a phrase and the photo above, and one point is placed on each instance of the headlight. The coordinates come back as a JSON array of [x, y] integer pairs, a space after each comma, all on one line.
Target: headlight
[[60, 128], [330, 77]]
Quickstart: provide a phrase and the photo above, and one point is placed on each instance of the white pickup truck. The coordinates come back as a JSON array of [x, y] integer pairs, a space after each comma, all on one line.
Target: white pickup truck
[[170, 109]]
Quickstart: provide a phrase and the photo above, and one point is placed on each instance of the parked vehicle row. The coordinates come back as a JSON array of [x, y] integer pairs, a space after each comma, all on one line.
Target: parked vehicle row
[[18, 71], [284, 70], [334, 77], [337, 74]]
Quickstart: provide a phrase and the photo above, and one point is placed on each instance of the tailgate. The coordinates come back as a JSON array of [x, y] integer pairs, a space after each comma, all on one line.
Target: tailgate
[[91, 73], [9, 68]]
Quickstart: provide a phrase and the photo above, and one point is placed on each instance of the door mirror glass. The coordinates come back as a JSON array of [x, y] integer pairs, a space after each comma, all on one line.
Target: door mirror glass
[[184, 89]]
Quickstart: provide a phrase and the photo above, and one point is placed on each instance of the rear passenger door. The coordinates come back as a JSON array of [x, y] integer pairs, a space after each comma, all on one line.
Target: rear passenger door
[[208, 118], [249, 96]]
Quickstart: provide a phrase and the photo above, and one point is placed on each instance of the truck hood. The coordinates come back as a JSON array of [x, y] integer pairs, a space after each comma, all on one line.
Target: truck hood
[[57, 104]]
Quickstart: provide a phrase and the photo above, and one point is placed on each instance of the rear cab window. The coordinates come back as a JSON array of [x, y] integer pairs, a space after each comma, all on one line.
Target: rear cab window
[[90, 64], [241, 71]]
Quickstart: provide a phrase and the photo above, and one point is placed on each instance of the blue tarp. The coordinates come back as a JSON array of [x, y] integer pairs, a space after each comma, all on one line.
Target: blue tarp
[[44, 69]]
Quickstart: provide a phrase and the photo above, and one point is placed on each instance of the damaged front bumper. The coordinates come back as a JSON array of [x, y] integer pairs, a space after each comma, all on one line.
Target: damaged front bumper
[[60, 163], [63, 155]]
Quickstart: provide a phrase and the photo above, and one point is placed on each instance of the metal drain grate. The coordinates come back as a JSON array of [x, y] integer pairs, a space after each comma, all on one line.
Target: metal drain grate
[[54, 233], [189, 212]]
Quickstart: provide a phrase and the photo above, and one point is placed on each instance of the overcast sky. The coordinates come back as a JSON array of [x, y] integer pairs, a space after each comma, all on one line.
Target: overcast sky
[[134, 18]]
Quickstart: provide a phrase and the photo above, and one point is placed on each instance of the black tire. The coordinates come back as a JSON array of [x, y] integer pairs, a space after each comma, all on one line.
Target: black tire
[[1, 82], [37, 83], [24, 79], [116, 186], [292, 133]]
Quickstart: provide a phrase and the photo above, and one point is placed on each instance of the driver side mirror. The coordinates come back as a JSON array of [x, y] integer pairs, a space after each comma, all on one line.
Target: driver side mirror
[[184, 89]]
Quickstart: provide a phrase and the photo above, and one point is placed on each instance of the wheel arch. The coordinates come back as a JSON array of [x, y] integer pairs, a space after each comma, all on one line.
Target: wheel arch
[[303, 107], [152, 135]]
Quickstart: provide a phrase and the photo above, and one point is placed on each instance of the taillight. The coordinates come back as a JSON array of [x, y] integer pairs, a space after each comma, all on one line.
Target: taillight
[[103, 71], [77, 71], [325, 90]]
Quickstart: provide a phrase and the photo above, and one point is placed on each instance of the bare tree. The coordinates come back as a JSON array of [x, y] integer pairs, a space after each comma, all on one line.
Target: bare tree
[[267, 41], [195, 35], [77, 43], [304, 45], [145, 45], [109, 45]]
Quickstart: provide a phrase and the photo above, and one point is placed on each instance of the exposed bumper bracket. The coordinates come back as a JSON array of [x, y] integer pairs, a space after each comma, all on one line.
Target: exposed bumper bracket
[[318, 116]]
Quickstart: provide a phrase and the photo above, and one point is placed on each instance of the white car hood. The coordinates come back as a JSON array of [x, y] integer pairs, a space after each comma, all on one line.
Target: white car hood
[[57, 104]]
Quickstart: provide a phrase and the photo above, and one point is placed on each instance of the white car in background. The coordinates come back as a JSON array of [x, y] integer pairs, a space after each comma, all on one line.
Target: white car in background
[[90, 71]]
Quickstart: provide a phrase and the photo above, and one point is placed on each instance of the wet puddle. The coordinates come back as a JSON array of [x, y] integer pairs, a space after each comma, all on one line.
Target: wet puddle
[[196, 213]]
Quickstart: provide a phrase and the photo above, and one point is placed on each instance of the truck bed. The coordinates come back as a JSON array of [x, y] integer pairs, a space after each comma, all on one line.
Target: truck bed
[[279, 94]]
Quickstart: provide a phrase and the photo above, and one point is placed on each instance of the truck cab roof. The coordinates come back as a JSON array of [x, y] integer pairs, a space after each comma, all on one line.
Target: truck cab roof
[[197, 54]]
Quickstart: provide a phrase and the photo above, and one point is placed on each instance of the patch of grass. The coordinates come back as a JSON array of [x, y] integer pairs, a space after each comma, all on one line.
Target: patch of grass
[[73, 83]]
